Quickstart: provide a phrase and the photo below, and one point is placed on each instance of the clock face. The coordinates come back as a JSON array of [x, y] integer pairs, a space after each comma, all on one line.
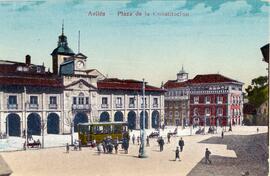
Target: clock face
[[80, 64]]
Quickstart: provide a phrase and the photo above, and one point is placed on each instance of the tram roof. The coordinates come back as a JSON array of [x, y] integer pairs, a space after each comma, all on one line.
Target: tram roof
[[104, 123]]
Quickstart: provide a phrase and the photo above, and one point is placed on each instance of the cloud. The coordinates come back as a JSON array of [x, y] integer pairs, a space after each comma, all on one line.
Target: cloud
[[136, 3], [26, 6], [215, 5]]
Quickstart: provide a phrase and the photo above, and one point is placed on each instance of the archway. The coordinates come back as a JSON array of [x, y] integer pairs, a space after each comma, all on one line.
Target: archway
[[33, 124], [13, 124], [118, 116], [80, 117], [132, 120], [155, 119], [104, 117], [146, 120], [53, 123]]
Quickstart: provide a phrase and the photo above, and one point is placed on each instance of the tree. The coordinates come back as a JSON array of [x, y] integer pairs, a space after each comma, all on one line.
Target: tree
[[257, 92]]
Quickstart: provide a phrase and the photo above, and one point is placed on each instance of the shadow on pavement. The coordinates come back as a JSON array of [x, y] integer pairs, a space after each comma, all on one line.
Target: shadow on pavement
[[251, 152]]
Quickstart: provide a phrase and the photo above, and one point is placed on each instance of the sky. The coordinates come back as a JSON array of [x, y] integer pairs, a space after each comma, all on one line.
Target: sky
[[207, 37]]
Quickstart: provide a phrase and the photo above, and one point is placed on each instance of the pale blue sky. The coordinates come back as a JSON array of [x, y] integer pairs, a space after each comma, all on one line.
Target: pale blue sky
[[217, 36]]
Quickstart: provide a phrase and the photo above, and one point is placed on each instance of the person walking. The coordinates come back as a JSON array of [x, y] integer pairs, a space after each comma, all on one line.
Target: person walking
[[169, 137], [161, 144], [207, 156], [257, 130], [138, 140], [222, 134], [99, 148], [67, 148], [116, 145], [133, 139], [177, 156], [181, 144], [147, 141]]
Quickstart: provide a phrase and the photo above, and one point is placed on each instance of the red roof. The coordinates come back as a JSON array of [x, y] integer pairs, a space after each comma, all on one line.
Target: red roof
[[174, 84], [32, 80], [211, 78], [117, 84]]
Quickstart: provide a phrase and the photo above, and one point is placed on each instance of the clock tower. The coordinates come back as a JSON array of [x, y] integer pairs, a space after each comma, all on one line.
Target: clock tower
[[61, 53]]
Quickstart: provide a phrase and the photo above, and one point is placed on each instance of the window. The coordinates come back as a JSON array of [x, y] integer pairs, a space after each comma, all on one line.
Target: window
[[196, 100], [74, 100], [155, 101], [86, 100], [33, 100], [53, 100], [170, 114], [176, 113], [145, 102], [195, 112], [219, 111], [119, 100], [207, 100], [132, 100], [219, 100], [104, 100], [12, 100], [207, 111]]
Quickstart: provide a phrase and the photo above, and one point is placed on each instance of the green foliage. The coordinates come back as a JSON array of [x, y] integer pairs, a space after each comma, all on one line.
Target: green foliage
[[257, 92]]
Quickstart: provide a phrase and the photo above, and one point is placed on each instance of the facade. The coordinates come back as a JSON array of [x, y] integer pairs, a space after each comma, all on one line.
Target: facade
[[212, 99], [177, 100], [33, 98]]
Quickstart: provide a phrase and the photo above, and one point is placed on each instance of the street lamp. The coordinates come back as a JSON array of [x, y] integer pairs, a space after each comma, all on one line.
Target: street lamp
[[142, 131], [71, 126]]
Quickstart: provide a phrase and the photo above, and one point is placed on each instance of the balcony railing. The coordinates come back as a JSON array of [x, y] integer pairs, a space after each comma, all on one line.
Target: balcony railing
[[52, 106], [12, 106], [155, 105], [33, 106], [81, 107], [104, 105], [131, 105], [119, 105]]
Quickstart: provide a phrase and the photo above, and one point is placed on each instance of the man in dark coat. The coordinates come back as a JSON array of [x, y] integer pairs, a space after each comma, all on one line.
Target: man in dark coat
[[177, 156], [207, 156], [161, 144], [181, 144], [222, 134]]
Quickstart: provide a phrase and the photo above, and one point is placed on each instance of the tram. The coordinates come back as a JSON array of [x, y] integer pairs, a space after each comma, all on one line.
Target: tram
[[88, 132]]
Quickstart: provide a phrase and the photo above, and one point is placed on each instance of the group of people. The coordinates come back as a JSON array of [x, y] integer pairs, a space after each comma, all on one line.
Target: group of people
[[139, 140], [108, 145]]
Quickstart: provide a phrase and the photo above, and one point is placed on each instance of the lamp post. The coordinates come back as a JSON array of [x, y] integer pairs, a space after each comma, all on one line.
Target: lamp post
[[26, 125], [43, 128], [142, 131]]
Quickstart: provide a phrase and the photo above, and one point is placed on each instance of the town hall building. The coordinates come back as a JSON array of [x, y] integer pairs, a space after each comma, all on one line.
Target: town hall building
[[36, 99]]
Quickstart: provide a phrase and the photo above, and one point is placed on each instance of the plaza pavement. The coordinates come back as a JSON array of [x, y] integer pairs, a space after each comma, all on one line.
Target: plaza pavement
[[55, 161]]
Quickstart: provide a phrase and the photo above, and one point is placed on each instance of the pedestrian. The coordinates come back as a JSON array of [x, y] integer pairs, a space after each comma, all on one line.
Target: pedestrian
[[138, 140], [24, 146], [99, 148], [67, 148], [222, 134], [257, 130], [181, 144], [169, 137], [177, 154], [133, 139], [80, 145], [125, 145], [147, 141], [116, 145], [104, 145], [207, 156], [161, 144]]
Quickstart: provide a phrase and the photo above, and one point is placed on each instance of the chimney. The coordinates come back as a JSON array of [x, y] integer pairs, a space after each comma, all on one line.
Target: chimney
[[27, 59]]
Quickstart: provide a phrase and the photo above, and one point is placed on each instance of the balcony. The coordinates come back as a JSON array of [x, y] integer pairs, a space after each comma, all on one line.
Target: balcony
[[81, 107], [12, 106], [104, 105], [52, 106], [131, 105], [119, 105], [156, 106], [33, 106]]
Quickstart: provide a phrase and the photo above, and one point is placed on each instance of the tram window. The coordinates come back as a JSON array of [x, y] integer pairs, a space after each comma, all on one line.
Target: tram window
[[107, 129]]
